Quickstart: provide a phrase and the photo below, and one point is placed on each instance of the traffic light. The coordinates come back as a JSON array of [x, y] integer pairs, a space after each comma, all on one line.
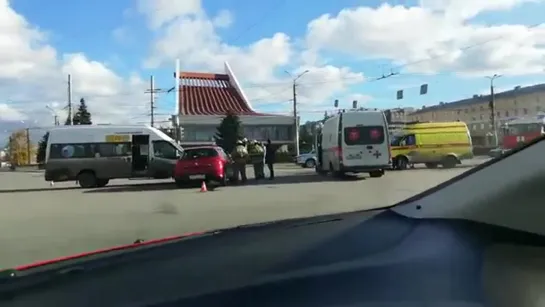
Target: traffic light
[[423, 89], [354, 104], [399, 94]]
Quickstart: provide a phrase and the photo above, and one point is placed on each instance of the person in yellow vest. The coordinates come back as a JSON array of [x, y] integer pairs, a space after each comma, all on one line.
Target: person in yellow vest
[[257, 158], [240, 158]]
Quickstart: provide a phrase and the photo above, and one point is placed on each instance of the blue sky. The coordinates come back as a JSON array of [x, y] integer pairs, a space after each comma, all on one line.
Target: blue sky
[[117, 36]]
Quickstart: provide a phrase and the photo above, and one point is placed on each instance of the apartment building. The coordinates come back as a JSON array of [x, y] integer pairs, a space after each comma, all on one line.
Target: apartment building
[[475, 111]]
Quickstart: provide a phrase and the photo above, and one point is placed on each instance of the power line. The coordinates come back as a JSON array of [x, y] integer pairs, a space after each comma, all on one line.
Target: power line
[[267, 14]]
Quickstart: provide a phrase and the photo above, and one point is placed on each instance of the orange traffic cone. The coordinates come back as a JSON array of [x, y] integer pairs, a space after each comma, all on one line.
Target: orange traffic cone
[[203, 187]]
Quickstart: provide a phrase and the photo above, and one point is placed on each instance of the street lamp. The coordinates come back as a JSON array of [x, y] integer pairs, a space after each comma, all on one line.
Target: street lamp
[[492, 107], [55, 116], [295, 118]]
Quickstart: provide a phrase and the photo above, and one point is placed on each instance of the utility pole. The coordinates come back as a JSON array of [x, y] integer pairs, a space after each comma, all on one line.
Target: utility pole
[[28, 145], [152, 91], [295, 117], [70, 121], [492, 107], [152, 99], [296, 124]]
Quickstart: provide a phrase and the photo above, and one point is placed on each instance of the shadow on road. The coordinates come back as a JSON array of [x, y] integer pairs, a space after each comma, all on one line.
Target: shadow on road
[[423, 168], [300, 178], [287, 179], [44, 189], [141, 187]]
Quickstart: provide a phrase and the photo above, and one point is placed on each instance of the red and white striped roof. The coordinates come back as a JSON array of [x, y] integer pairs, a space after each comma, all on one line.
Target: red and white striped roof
[[210, 94]]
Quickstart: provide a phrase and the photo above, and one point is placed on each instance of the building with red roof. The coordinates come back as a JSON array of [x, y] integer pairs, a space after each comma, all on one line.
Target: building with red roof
[[205, 98]]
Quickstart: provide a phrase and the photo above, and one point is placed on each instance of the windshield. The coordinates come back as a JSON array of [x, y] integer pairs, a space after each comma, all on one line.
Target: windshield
[[395, 140], [66, 189], [364, 135], [196, 153]]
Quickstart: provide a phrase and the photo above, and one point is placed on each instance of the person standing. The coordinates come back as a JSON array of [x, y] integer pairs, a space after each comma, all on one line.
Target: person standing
[[257, 156], [240, 157], [270, 158]]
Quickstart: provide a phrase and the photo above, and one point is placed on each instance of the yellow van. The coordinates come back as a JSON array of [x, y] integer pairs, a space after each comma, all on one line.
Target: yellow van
[[445, 143]]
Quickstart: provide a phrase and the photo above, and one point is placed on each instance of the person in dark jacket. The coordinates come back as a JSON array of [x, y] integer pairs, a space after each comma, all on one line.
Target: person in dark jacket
[[270, 158]]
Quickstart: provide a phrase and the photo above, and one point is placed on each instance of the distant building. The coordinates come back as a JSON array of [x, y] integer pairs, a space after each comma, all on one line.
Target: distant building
[[205, 98], [475, 111]]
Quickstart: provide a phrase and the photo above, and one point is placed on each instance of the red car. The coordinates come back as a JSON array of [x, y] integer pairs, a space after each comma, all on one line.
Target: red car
[[206, 163]]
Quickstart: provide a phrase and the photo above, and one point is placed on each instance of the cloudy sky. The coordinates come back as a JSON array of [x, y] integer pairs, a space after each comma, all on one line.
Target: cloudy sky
[[110, 48]]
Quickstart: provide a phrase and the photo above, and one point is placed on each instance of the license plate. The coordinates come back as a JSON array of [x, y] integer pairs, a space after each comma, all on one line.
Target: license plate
[[193, 177]]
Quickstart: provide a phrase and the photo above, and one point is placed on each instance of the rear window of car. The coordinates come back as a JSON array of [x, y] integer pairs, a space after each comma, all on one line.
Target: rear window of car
[[199, 153], [364, 135]]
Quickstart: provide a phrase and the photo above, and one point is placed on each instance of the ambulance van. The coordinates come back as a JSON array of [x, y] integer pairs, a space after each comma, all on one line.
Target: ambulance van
[[353, 142], [433, 144]]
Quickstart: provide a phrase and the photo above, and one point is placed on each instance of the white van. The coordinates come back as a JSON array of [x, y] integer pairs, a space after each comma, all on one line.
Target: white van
[[354, 142], [93, 155]]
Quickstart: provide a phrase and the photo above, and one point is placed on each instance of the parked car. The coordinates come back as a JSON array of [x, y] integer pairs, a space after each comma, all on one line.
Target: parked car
[[306, 160], [206, 163]]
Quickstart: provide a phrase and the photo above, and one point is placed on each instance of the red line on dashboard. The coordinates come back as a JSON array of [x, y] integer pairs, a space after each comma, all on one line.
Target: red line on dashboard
[[105, 250]]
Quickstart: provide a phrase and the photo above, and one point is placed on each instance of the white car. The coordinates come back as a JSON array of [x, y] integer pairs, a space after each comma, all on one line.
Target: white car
[[307, 160]]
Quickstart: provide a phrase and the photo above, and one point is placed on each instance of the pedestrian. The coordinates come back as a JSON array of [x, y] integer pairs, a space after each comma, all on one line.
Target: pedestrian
[[240, 157], [270, 158], [257, 157]]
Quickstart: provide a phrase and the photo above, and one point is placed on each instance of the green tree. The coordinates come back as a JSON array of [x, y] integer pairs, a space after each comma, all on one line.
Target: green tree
[[82, 116], [42, 145], [229, 132], [306, 137]]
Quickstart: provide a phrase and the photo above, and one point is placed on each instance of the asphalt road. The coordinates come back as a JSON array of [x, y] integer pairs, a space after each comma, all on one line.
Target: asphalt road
[[39, 222]]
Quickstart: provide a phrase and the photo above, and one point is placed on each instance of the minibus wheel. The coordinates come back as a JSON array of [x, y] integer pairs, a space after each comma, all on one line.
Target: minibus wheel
[[87, 179]]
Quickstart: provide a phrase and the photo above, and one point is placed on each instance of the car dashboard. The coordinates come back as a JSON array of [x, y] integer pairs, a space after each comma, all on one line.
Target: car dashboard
[[377, 258]]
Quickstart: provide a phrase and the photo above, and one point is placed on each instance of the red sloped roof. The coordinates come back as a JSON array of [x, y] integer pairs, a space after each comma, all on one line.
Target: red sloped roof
[[210, 94]]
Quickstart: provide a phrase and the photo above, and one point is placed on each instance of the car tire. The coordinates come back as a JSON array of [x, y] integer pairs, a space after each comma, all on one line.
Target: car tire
[[449, 162], [376, 174], [310, 163], [87, 180], [223, 180]]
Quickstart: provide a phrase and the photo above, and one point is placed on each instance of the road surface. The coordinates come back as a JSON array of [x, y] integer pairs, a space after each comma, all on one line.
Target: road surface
[[39, 222]]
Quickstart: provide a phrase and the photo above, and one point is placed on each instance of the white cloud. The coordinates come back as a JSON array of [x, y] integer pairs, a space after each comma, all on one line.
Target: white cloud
[[224, 19], [7, 113], [33, 74], [362, 99], [437, 29], [261, 62]]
